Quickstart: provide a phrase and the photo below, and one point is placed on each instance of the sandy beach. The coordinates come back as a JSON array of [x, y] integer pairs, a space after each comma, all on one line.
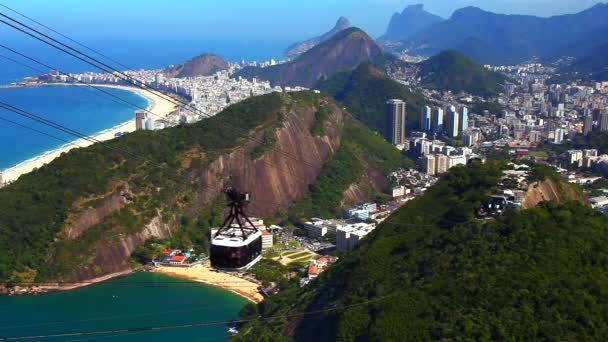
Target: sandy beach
[[245, 288], [159, 106]]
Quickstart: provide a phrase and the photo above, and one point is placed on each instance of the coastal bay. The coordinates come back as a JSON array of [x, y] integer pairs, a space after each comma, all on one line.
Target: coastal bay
[[138, 300], [156, 104]]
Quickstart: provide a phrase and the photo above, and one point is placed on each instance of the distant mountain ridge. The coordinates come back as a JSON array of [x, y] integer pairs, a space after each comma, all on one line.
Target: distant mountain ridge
[[343, 52], [507, 39], [299, 48], [412, 20], [203, 65]]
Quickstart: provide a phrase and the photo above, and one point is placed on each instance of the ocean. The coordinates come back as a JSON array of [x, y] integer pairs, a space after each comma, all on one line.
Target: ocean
[[82, 109], [138, 300]]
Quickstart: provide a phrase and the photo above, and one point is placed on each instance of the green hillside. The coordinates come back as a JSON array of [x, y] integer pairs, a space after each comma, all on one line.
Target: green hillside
[[155, 164], [433, 272], [364, 92], [452, 70]]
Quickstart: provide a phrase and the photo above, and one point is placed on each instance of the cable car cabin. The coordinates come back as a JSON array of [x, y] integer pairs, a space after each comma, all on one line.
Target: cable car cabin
[[231, 251]]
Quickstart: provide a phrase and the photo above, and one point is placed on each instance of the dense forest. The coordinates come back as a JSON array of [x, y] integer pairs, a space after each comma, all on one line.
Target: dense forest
[[452, 70], [434, 272], [364, 93], [154, 164]]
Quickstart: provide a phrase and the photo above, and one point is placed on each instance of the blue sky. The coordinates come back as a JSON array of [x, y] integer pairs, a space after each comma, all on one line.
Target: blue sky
[[248, 18]]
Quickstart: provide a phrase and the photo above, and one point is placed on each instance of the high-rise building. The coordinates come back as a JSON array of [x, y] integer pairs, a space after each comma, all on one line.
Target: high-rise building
[[463, 122], [588, 124], [452, 122], [425, 119], [603, 122], [558, 138], [428, 164], [437, 124], [395, 121], [140, 119], [441, 164]]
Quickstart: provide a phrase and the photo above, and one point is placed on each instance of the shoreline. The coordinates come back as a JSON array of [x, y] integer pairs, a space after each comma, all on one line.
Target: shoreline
[[156, 104], [226, 281]]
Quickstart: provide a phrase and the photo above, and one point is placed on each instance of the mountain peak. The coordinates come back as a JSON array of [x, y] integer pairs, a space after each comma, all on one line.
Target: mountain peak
[[299, 48], [413, 19], [342, 23]]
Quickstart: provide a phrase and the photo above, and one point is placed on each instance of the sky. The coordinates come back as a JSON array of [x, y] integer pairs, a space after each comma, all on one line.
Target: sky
[[248, 18]]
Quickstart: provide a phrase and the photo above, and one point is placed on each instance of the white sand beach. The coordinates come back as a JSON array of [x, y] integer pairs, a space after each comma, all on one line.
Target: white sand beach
[[205, 274], [159, 106]]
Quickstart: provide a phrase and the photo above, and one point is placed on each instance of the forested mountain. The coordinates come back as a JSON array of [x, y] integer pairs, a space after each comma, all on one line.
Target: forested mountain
[[413, 19], [203, 65], [299, 48], [364, 92], [593, 66], [343, 52], [432, 271], [452, 70], [491, 38], [82, 215]]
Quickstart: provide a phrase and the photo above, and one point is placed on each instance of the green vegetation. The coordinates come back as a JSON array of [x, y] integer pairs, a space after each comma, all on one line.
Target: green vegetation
[[269, 271], [433, 272], [325, 196], [321, 115], [154, 165], [364, 93], [597, 140], [452, 70], [268, 141]]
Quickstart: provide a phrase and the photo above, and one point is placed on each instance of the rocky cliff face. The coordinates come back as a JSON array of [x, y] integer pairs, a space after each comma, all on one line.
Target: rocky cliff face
[[276, 179], [550, 190]]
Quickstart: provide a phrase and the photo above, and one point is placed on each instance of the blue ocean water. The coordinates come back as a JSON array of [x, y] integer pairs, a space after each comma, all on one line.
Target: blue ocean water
[[80, 108], [138, 300]]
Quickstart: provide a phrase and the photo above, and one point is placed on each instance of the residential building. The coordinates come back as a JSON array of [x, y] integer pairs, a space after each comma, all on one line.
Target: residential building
[[588, 124], [437, 120], [317, 227], [452, 122], [575, 156], [349, 235], [140, 119], [603, 122], [463, 121], [558, 138], [441, 164], [428, 164], [425, 119], [395, 121], [267, 238]]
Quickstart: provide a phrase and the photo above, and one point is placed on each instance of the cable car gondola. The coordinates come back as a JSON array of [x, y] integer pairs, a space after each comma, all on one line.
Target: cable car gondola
[[237, 244]]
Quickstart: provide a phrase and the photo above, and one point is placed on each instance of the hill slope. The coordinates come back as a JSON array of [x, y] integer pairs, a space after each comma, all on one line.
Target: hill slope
[[451, 70], [82, 215], [432, 272], [343, 52], [593, 66], [508, 39], [364, 92], [299, 48], [413, 19], [203, 65]]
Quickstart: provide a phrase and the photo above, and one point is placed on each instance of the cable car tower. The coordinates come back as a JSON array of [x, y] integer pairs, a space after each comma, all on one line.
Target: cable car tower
[[237, 244]]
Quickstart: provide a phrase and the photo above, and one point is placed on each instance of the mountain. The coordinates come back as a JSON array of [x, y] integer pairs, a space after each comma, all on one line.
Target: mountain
[[432, 272], [203, 65], [593, 66], [343, 52], [364, 92], [452, 70], [412, 20], [491, 38], [82, 215], [299, 48]]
